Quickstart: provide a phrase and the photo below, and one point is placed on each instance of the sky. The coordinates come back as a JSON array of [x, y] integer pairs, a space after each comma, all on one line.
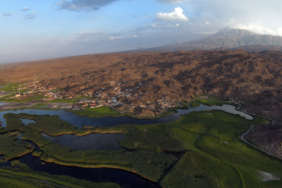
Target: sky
[[32, 29]]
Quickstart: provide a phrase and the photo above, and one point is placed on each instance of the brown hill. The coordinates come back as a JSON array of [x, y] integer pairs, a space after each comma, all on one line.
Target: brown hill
[[267, 137], [253, 77]]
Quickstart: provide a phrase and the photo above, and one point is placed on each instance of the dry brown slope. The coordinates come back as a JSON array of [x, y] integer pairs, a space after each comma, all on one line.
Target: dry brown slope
[[253, 77]]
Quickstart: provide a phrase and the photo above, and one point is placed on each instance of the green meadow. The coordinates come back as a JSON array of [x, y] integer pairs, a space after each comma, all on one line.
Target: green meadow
[[97, 112]]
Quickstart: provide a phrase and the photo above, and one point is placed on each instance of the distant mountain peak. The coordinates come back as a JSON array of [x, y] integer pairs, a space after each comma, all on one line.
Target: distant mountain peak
[[227, 38], [234, 32]]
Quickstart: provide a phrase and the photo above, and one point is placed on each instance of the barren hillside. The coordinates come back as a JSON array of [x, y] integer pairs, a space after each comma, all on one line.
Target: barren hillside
[[252, 77]]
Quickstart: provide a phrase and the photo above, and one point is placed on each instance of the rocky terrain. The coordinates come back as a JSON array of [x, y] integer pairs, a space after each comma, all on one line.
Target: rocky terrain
[[251, 77], [267, 137]]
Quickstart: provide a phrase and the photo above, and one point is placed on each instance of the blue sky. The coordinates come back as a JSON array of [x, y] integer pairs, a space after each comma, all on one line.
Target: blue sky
[[33, 29]]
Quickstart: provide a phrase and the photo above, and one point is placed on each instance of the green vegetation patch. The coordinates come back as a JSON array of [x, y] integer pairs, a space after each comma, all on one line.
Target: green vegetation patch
[[62, 101], [211, 101], [149, 164], [10, 148], [187, 173], [11, 87], [97, 112], [33, 97], [40, 105]]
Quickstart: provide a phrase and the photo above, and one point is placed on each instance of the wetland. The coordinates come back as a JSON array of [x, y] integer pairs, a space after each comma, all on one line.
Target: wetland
[[131, 152]]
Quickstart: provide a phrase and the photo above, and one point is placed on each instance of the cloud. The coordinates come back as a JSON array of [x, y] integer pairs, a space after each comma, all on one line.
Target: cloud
[[161, 26], [257, 28], [176, 15], [89, 32], [171, 1], [115, 37], [25, 9], [87, 5], [8, 14], [31, 16], [263, 17]]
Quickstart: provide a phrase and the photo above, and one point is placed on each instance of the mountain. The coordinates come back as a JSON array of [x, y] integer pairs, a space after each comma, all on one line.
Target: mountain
[[226, 39]]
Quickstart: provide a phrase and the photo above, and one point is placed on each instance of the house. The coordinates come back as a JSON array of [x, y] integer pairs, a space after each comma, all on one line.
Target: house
[[18, 95], [143, 106], [114, 100]]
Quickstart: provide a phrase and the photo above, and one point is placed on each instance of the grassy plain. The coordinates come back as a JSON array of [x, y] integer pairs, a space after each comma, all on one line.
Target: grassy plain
[[33, 97]]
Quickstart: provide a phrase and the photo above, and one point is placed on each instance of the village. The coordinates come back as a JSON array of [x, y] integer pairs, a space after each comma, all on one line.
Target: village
[[115, 96]]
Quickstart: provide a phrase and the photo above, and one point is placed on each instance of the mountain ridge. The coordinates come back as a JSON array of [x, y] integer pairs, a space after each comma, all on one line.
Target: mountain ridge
[[227, 39]]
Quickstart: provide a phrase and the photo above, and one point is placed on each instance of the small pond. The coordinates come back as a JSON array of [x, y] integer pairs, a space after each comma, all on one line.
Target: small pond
[[227, 108], [27, 121], [88, 142]]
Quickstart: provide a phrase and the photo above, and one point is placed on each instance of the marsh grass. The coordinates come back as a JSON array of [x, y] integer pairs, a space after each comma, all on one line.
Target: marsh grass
[[10, 148]]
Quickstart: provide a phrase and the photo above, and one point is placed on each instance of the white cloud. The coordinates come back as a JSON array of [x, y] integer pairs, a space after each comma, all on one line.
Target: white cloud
[[25, 9], [257, 28], [115, 37], [279, 31], [89, 32], [176, 15], [259, 16], [171, 1], [169, 25]]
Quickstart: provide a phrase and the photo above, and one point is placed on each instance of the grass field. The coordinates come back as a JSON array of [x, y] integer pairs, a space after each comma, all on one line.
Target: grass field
[[34, 97], [62, 101], [97, 112], [11, 87]]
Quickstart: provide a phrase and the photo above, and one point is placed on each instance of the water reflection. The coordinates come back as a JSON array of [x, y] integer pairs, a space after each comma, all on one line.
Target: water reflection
[[123, 178], [79, 121], [88, 142], [27, 121], [227, 108]]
